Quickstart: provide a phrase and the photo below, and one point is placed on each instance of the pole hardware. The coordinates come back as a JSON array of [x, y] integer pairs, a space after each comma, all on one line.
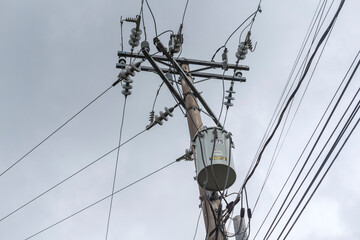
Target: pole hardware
[[145, 51]]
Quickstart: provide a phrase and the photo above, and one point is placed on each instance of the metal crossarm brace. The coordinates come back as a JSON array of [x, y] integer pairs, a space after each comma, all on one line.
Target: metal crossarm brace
[[197, 74], [163, 77], [162, 49], [185, 61]]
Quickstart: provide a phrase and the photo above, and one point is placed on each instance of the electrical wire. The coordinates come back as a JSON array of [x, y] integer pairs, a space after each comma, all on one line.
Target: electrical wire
[[55, 131], [317, 186], [295, 91], [323, 163], [182, 21], [312, 149], [165, 32], [115, 169], [69, 177], [272, 121], [240, 26], [99, 201], [274, 158], [142, 16], [212, 59], [153, 17], [197, 224]]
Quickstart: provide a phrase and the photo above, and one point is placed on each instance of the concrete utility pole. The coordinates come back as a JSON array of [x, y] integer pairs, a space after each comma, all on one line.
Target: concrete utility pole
[[195, 124]]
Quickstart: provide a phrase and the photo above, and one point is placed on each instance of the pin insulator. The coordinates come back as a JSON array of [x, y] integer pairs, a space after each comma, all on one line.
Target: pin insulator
[[230, 97]]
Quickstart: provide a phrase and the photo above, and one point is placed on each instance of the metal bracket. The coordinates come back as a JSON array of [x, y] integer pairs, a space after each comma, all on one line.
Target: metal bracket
[[163, 77], [162, 49]]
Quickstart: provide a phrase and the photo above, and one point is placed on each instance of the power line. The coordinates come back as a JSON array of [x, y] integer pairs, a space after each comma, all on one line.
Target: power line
[[182, 21], [294, 92], [323, 163], [327, 170], [311, 151], [153, 17], [115, 170], [278, 149], [69, 177], [99, 201], [56, 130], [311, 137]]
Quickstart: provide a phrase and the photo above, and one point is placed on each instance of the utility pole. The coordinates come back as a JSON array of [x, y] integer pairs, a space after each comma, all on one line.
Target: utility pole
[[210, 201], [195, 125]]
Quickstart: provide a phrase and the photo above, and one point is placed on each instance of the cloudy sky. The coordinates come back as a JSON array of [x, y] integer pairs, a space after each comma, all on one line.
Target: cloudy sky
[[56, 56]]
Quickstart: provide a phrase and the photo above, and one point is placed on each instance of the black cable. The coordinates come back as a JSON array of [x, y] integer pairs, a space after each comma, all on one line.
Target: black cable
[[115, 170], [98, 201], [295, 91], [56, 130], [152, 16], [274, 158], [69, 177], [307, 35], [323, 163], [212, 59], [182, 21], [240, 26], [165, 32], [327, 170], [312, 149]]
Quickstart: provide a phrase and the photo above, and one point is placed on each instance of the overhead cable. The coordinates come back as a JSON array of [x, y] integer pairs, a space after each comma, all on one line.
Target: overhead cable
[[311, 151], [295, 91], [99, 201], [322, 178], [341, 134], [69, 177], [55, 131], [153, 17], [115, 169], [278, 148]]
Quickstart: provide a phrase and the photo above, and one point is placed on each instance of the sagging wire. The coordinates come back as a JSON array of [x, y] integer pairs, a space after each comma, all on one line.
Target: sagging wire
[[337, 140], [55, 131], [327, 170], [294, 92], [100, 200], [71, 176], [224, 46], [272, 121], [312, 24], [312, 149], [277, 148]]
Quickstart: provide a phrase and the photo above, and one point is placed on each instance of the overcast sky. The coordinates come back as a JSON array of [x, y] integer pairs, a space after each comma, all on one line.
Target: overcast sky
[[56, 56]]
